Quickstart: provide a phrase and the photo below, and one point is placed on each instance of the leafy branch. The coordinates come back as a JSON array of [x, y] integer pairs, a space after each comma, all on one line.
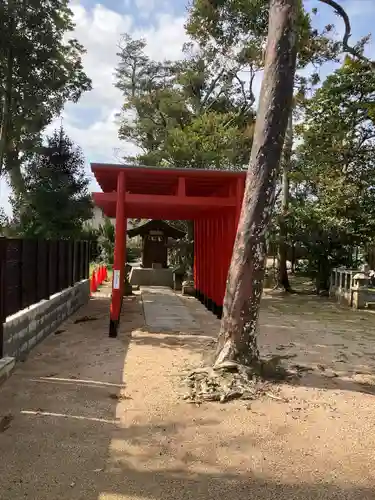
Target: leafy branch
[[340, 11]]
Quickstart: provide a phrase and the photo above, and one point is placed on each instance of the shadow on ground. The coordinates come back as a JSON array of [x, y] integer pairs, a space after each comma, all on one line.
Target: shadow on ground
[[161, 485], [77, 433], [332, 345], [171, 341], [87, 464]]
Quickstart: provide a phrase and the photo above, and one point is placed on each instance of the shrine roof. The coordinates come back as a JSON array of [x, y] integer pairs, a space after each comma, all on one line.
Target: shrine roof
[[167, 193], [156, 225], [158, 180]]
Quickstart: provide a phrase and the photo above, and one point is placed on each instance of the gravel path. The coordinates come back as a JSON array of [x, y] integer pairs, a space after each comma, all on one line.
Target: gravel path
[[101, 419]]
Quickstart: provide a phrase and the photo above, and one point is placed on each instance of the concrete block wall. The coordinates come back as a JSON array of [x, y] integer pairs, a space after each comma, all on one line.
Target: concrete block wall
[[25, 329]]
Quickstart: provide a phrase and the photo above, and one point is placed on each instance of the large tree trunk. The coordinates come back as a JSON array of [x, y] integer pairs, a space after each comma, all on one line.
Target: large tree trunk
[[13, 167], [323, 275], [282, 271], [237, 339], [190, 237], [7, 102]]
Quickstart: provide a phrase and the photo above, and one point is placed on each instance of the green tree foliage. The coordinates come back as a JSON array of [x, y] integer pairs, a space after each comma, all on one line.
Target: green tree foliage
[[334, 207], [57, 191], [106, 244], [4, 222], [106, 241], [238, 28], [40, 70], [192, 113]]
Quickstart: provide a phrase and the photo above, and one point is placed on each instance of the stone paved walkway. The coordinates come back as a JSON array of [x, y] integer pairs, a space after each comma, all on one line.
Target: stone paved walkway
[[165, 312]]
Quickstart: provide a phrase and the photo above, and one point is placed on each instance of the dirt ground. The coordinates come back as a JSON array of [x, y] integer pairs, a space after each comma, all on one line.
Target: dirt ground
[[94, 418]]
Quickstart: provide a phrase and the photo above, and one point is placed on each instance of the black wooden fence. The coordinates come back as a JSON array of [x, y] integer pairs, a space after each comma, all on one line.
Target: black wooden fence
[[33, 270]]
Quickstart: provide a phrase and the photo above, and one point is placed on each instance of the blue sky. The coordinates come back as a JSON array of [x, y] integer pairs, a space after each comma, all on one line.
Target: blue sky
[[91, 122]]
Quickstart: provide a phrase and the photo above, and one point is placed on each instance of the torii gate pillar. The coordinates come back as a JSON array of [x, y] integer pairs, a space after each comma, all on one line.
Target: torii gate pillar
[[119, 257]]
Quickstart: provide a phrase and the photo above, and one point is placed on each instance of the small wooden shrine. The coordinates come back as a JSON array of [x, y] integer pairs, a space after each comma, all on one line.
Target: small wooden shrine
[[155, 235]]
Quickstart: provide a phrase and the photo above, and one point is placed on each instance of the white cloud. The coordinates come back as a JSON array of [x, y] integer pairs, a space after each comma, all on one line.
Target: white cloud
[[359, 9], [145, 7], [99, 31]]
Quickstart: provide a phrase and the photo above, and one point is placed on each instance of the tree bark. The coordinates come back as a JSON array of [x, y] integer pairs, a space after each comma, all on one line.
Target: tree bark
[[237, 339], [13, 167], [7, 99], [282, 271], [190, 237], [323, 275]]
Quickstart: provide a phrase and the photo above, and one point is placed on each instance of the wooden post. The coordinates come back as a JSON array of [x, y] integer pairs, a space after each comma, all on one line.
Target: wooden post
[[215, 265], [202, 241], [122, 282], [21, 290], [204, 268], [71, 262], [208, 262], [82, 261], [221, 267], [196, 258], [56, 265], [195, 261], [40, 266], [212, 263], [49, 269], [87, 260], [36, 291], [210, 237], [119, 257], [74, 266], [201, 261]]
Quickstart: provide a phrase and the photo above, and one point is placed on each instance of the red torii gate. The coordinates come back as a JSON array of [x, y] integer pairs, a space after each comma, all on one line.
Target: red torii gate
[[212, 198]]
